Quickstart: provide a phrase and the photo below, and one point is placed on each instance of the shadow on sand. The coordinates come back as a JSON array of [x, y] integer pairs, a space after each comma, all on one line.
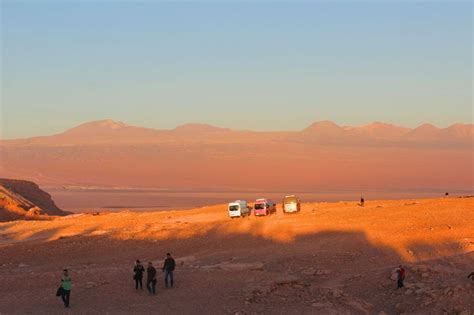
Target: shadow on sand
[[221, 269]]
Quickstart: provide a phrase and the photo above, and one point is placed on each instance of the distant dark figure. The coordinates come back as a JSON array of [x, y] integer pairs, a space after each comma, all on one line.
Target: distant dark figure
[[151, 278], [362, 201], [168, 268], [66, 288], [400, 276], [471, 275], [138, 271], [446, 194]]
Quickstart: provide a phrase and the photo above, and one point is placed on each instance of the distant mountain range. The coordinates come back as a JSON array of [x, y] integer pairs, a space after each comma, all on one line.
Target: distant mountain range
[[113, 132], [323, 156]]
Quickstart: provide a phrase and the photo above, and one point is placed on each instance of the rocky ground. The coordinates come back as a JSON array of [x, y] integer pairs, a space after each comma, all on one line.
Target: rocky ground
[[332, 258]]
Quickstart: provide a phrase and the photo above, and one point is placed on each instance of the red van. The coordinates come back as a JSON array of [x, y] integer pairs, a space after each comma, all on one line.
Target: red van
[[264, 207]]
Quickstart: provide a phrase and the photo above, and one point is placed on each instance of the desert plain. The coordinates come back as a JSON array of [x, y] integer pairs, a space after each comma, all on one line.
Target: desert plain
[[331, 258]]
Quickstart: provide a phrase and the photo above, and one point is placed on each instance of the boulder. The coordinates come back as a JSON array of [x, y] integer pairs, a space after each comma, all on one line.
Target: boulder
[[421, 291], [336, 293], [90, 285], [400, 307], [309, 271], [409, 285], [240, 266], [185, 260], [286, 279], [322, 272]]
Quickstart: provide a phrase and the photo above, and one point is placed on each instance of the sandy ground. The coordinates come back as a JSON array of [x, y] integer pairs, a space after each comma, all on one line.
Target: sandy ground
[[332, 258]]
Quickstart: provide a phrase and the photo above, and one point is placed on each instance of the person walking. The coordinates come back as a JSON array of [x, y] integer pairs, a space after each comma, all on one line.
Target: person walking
[[66, 288], [151, 278], [400, 277], [138, 271], [168, 268], [362, 201]]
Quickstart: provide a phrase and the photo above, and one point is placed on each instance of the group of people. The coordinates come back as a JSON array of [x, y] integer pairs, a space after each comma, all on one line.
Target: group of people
[[64, 290], [168, 268], [138, 272]]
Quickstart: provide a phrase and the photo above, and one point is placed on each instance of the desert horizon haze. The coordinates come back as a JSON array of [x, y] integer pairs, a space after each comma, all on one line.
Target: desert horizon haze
[[323, 160]]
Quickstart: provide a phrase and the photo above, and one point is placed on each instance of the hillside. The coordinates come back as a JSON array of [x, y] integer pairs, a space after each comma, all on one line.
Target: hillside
[[21, 199], [331, 258]]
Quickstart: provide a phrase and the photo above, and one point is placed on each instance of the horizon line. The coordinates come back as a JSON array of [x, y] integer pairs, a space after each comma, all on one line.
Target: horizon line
[[118, 124]]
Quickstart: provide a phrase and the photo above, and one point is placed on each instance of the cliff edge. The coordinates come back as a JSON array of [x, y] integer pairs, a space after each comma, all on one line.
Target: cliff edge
[[20, 199]]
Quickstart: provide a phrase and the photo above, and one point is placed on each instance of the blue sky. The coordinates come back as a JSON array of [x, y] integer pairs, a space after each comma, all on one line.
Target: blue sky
[[253, 65]]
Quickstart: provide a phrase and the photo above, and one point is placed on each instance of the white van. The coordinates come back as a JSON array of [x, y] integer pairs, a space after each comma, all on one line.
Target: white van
[[238, 208], [291, 204]]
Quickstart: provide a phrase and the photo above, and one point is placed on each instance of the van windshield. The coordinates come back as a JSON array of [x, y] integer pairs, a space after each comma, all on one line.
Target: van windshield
[[259, 206], [290, 200], [234, 208]]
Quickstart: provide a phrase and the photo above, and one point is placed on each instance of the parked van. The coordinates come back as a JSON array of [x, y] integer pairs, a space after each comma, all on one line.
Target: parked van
[[264, 207], [238, 208], [291, 204]]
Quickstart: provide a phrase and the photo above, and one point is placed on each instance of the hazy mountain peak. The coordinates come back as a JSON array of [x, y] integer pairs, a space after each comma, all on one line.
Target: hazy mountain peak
[[106, 124], [382, 130], [426, 126], [460, 130], [323, 125]]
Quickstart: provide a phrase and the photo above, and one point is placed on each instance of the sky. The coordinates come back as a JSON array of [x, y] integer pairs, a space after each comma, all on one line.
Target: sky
[[258, 65]]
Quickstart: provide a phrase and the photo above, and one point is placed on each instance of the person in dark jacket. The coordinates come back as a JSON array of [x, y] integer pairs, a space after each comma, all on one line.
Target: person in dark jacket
[[151, 278], [400, 277], [138, 271], [168, 268]]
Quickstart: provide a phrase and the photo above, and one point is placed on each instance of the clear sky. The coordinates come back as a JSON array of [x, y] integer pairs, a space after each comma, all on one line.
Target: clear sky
[[254, 65]]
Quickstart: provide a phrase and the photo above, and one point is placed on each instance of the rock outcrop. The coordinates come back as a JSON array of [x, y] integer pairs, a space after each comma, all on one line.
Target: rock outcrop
[[21, 199]]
